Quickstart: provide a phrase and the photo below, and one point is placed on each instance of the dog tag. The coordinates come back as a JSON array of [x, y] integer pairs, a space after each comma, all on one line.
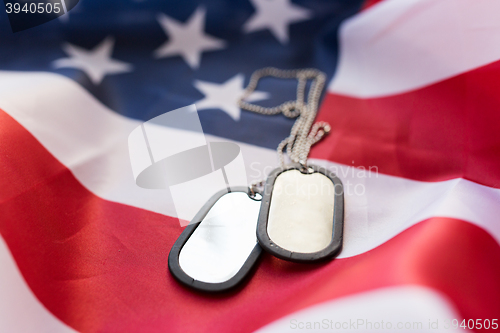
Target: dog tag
[[302, 213], [219, 249]]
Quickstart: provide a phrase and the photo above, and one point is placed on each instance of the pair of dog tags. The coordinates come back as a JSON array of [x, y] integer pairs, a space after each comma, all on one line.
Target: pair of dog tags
[[298, 217]]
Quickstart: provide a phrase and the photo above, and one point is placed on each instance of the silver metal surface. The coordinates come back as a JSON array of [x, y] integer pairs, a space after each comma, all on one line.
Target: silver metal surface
[[221, 244]]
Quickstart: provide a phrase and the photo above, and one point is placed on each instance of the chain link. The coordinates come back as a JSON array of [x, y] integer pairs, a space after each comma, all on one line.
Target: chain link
[[302, 136], [255, 187]]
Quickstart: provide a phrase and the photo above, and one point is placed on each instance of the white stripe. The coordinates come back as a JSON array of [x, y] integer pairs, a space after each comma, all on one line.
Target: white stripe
[[20, 310], [378, 207], [92, 141], [395, 309], [398, 46]]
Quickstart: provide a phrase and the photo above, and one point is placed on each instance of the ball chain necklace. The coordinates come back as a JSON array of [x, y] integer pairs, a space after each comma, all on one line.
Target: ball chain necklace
[[296, 213]]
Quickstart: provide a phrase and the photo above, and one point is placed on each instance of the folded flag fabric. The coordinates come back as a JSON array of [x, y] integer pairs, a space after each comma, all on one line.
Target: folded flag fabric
[[413, 100]]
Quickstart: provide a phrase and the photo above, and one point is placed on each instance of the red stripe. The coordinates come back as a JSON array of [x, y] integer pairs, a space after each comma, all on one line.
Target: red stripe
[[368, 3], [447, 130], [102, 267]]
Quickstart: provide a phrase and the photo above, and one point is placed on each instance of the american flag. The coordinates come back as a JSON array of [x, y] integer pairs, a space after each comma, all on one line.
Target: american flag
[[414, 104]]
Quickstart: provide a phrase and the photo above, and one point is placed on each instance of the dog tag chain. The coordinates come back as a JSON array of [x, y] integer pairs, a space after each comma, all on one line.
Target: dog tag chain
[[302, 209], [299, 217]]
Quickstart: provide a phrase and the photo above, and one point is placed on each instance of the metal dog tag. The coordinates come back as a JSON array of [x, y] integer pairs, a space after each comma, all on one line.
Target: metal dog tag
[[217, 251], [302, 213]]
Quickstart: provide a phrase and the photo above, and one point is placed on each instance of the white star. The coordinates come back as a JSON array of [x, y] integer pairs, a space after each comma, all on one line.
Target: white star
[[187, 39], [225, 96], [96, 63], [275, 15]]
